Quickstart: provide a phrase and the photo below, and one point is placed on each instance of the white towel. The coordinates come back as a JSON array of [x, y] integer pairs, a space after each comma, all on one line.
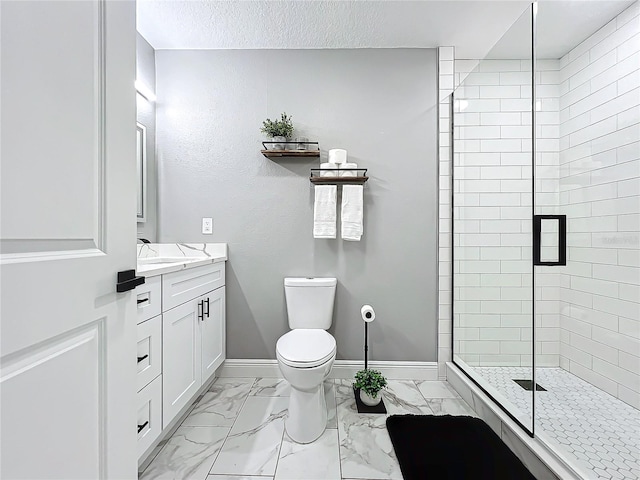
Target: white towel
[[337, 155], [324, 211], [349, 170], [352, 209]]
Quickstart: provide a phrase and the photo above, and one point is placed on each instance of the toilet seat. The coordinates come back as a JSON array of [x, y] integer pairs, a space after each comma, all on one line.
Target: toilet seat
[[306, 347]]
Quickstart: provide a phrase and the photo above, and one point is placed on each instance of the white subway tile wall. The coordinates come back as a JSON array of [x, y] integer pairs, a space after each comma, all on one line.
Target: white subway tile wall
[[600, 193], [445, 86], [587, 167], [493, 208]]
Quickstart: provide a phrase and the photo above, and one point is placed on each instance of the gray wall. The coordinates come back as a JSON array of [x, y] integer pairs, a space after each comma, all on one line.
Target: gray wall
[[378, 104], [146, 115]]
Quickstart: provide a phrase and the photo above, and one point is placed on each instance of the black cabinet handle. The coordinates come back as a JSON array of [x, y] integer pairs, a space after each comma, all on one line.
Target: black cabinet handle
[[207, 312], [142, 358], [200, 310], [562, 239], [127, 280], [140, 427], [142, 300]]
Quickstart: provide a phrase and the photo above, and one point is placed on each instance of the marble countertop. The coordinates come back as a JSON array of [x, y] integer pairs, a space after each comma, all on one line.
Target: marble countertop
[[160, 258]]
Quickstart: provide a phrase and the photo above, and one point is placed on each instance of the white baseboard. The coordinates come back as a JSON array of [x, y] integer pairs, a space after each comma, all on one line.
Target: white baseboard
[[341, 369]]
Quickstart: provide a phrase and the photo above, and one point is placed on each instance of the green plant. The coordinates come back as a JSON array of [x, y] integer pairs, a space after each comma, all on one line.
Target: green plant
[[278, 128], [371, 381]]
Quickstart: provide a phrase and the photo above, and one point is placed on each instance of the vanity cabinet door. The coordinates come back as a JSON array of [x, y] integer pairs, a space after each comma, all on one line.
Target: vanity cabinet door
[[212, 328], [181, 358], [149, 351]]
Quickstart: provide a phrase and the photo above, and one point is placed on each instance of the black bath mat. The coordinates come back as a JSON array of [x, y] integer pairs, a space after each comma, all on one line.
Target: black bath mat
[[431, 447]]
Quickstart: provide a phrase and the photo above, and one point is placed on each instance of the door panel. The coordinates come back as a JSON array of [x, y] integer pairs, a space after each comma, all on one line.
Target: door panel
[[213, 333], [67, 369], [48, 97], [38, 402], [181, 373]]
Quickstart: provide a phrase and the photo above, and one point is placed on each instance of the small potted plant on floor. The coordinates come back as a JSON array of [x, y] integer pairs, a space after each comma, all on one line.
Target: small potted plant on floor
[[278, 130], [369, 383]]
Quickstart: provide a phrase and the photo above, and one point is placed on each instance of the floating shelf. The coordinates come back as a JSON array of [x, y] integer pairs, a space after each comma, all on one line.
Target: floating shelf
[[359, 179], [338, 180], [313, 152], [290, 153]]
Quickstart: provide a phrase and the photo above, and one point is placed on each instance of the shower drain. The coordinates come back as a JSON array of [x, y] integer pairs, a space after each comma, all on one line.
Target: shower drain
[[528, 385]]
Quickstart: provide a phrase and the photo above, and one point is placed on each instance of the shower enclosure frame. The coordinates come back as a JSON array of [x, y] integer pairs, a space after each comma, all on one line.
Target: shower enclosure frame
[[535, 245]]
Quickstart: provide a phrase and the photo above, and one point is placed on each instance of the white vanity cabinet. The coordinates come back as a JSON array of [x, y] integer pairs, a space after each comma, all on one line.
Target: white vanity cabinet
[[192, 333], [213, 332], [149, 362], [180, 348]]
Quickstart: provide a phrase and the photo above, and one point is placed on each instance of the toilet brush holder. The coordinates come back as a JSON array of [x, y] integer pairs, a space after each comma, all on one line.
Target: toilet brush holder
[[368, 315]]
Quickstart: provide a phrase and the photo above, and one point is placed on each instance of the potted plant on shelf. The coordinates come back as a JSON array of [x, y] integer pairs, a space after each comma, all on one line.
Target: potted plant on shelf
[[278, 130], [369, 383]]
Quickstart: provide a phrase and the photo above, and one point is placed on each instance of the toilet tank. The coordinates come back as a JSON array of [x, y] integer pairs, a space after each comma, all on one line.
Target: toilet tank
[[310, 301]]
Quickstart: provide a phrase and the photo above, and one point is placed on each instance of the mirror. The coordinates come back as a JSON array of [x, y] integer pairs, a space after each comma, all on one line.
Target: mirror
[[141, 168]]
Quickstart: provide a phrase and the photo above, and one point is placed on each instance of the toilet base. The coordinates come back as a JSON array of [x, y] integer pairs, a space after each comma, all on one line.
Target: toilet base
[[307, 418]]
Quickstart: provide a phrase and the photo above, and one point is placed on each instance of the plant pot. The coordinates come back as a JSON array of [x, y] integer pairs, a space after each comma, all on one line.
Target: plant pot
[[369, 400], [278, 146]]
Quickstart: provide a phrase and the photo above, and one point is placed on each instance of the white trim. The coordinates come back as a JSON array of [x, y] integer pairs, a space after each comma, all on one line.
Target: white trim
[[141, 171], [446, 85], [145, 91], [341, 369]]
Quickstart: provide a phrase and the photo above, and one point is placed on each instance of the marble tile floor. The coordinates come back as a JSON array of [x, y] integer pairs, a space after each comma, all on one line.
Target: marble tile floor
[[236, 432], [600, 431]]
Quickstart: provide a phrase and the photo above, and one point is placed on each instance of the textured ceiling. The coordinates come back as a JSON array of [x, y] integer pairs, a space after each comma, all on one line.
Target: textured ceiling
[[561, 26], [472, 26], [476, 28]]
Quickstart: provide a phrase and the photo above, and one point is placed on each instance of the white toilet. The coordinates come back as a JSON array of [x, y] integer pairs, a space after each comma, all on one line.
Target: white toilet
[[306, 354]]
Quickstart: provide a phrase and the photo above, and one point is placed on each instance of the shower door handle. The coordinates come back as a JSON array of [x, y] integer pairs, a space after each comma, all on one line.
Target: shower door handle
[[562, 239]]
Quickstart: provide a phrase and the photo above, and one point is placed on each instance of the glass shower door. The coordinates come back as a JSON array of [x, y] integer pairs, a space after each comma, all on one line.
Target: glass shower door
[[587, 236], [492, 228]]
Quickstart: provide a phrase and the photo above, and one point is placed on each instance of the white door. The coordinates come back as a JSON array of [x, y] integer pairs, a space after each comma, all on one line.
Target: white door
[[181, 371], [213, 334], [67, 364]]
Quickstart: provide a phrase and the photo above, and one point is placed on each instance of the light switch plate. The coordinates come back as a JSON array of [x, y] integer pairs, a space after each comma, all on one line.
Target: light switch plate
[[207, 226]]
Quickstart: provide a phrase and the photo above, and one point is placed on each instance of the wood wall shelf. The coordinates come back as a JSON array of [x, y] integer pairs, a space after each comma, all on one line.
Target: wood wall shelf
[[319, 176], [309, 150], [338, 180], [290, 153]]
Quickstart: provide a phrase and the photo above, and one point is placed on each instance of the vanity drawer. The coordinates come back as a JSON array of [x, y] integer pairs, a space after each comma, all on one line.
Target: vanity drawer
[[149, 298], [149, 403], [190, 283], [149, 351]]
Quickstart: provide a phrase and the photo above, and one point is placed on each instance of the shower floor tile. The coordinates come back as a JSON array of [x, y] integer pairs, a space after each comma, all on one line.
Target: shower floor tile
[[602, 432]]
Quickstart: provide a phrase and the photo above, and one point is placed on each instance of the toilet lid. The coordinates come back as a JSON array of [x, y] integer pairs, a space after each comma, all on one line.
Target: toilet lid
[[306, 346]]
